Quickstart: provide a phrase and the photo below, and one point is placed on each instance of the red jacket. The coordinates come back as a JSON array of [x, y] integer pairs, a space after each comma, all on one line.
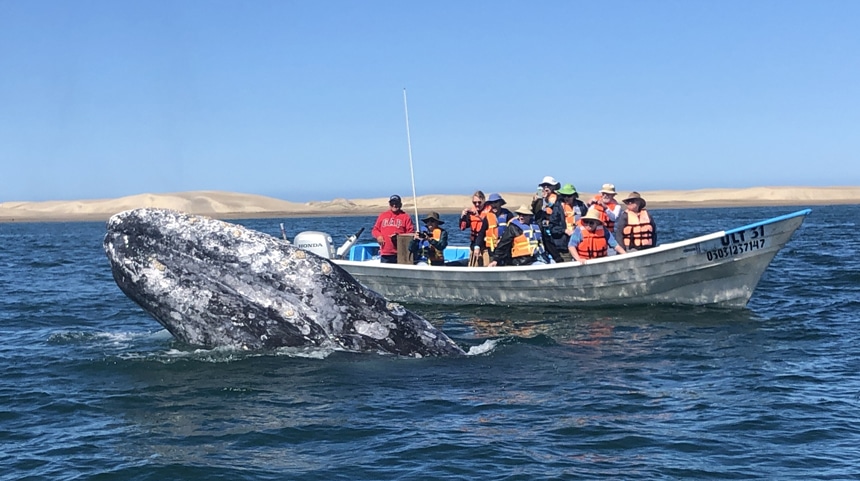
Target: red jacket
[[388, 224]]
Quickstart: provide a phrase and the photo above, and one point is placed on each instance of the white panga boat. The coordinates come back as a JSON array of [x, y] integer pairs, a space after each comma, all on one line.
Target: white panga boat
[[720, 269]]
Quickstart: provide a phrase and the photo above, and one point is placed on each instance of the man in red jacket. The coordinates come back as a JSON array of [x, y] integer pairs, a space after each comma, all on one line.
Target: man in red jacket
[[390, 223]]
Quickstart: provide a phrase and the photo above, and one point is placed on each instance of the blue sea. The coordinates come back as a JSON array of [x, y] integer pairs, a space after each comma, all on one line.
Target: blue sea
[[91, 387]]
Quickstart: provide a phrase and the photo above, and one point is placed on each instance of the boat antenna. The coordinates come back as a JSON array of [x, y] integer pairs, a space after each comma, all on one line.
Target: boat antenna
[[411, 169]]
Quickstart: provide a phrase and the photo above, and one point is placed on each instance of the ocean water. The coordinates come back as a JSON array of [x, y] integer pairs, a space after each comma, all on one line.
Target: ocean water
[[93, 388]]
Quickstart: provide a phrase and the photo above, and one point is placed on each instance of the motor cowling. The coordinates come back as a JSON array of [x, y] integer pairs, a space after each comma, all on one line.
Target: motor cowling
[[317, 242]]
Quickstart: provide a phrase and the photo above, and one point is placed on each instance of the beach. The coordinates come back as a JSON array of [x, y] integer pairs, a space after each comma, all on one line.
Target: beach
[[232, 205]]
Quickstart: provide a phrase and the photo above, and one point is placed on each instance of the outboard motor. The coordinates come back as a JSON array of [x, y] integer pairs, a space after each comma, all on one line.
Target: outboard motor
[[344, 249], [314, 241]]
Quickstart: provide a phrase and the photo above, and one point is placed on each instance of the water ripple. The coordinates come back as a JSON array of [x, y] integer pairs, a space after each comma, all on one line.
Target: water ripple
[[92, 388]]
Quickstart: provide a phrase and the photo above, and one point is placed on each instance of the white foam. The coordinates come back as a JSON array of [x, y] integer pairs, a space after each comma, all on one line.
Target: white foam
[[483, 348]]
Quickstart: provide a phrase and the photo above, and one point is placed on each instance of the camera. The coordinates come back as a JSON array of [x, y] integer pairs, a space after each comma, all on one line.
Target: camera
[[422, 234]]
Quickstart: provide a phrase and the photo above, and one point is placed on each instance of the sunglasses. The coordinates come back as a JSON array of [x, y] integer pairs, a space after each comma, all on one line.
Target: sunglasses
[[476, 203], [590, 223], [629, 201]]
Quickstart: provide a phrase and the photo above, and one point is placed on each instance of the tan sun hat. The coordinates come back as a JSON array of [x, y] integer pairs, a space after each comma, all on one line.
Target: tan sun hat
[[635, 196], [524, 209], [608, 189], [592, 214]]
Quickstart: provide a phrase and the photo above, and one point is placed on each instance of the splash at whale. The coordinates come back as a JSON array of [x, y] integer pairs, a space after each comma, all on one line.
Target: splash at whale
[[213, 283]]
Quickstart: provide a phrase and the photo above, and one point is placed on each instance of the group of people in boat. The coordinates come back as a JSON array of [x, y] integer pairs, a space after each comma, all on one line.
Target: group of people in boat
[[556, 227]]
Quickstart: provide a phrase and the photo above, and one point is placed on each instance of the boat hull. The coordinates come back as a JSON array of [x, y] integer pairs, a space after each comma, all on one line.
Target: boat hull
[[719, 269]]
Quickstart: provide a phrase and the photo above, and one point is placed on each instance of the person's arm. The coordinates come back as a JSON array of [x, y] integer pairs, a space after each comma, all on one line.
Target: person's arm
[[376, 232], [610, 239], [485, 224], [575, 239], [413, 245], [557, 224], [653, 230], [537, 207], [408, 225], [482, 234], [619, 226], [583, 209], [550, 252], [502, 253], [614, 212], [465, 218]]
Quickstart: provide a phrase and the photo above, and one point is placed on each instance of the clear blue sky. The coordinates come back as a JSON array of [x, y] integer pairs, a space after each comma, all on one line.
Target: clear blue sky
[[303, 100]]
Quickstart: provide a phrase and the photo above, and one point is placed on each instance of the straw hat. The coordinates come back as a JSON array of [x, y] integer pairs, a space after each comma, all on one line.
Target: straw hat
[[635, 196], [524, 209], [433, 216], [608, 189], [592, 214]]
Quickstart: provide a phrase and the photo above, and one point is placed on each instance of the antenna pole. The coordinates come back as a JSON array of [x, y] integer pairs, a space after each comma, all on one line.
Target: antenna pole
[[411, 169]]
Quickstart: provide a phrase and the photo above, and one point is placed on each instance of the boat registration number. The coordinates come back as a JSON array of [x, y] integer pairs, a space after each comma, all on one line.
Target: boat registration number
[[737, 243]]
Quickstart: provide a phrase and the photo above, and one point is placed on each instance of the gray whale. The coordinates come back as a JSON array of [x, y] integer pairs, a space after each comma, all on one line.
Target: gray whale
[[213, 283]]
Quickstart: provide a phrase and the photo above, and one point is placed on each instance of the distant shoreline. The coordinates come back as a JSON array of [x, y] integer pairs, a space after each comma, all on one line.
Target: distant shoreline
[[230, 205]]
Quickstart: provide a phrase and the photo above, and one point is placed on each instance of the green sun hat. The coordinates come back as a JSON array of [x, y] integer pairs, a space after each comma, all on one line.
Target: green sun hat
[[568, 189]]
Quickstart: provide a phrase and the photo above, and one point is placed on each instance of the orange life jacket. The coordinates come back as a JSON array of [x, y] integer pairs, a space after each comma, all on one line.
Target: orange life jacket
[[569, 216], [526, 244], [594, 244], [638, 232], [495, 228], [609, 224], [549, 202], [434, 256], [476, 221]]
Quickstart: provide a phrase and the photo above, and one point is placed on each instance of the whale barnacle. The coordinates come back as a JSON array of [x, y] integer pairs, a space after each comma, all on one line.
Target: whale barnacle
[[395, 308], [156, 264]]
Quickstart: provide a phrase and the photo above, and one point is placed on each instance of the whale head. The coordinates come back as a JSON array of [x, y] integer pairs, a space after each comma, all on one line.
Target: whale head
[[213, 283]]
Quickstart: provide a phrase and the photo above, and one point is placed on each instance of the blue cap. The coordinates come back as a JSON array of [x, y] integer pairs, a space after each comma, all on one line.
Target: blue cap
[[496, 198], [395, 199]]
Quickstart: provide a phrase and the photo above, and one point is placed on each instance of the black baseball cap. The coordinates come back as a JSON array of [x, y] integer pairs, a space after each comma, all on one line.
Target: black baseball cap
[[395, 199]]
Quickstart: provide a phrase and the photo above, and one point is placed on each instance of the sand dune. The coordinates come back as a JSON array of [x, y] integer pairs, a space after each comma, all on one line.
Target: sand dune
[[237, 205]]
